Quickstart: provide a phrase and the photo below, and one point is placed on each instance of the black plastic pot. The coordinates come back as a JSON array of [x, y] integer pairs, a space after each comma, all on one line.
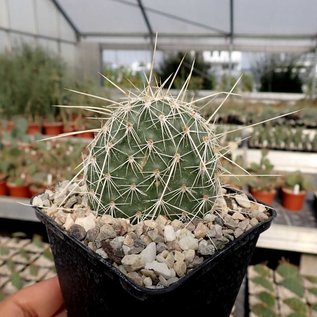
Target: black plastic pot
[[92, 287]]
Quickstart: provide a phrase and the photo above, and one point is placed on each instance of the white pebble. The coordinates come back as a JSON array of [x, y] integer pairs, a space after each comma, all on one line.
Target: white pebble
[[169, 233], [149, 253], [88, 222], [159, 268], [132, 262], [243, 200], [68, 222], [188, 242]]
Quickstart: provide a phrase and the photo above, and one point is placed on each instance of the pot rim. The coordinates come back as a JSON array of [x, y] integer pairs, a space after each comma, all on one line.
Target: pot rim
[[252, 233]]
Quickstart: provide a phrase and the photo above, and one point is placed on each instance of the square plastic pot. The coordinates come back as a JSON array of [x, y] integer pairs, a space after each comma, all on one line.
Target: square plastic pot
[[92, 287]]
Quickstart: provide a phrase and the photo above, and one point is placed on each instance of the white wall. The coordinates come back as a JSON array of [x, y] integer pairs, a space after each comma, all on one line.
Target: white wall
[[39, 22]]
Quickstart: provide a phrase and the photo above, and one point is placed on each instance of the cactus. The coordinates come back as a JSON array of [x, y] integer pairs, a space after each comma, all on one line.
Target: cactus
[[262, 270], [296, 305], [16, 280], [4, 251], [155, 155], [268, 299], [34, 269], [311, 278], [298, 178], [263, 167], [263, 311], [312, 290], [287, 270], [264, 283], [294, 285]]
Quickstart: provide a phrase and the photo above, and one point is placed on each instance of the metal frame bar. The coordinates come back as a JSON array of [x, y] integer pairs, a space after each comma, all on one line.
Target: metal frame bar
[[67, 18], [311, 37], [147, 22], [45, 37], [231, 44], [177, 18]]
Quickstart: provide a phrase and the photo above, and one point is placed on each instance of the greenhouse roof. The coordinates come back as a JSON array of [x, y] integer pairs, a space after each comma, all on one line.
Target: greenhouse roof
[[244, 25]]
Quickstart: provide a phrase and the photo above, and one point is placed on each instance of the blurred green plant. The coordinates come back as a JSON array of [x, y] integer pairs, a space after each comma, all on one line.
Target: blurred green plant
[[124, 77], [261, 181], [279, 73], [261, 310], [200, 78], [32, 80], [298, 178]]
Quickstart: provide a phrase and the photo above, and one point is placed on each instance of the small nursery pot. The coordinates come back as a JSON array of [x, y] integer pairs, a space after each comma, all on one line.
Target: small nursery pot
[[19, 190], [92, 286], [292, 201], [3, 188], [34, 128], [53, 128], [266, 197]]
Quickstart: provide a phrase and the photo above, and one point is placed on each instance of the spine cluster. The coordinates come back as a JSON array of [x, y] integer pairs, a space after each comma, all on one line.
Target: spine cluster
[[155, 155]]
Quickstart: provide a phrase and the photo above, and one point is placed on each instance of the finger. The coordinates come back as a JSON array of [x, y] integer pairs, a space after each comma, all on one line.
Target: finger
[[10, 309], [62, 313], [41, 299]]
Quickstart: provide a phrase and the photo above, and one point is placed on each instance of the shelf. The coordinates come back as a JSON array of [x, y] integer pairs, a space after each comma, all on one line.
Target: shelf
[[289, 238], [283, 160], [292, 231], [16, 208]]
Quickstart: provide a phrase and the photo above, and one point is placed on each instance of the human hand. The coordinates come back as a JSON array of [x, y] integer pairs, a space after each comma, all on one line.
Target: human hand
[[43, 299]]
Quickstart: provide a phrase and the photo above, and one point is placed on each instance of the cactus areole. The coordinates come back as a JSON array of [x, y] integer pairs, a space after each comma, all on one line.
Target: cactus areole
[[155, 155]]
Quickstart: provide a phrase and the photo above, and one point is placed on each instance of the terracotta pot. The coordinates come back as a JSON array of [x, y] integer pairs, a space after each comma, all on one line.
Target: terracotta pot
[[53, 128], [19, 190], [10, 125], [70, 127], [35, 190], [34, 128], [3, 188], [291, 201], [266, 197], [86, 135]]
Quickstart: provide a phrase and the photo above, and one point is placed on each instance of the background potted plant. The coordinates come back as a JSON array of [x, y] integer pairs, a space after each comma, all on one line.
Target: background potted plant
[[18, 179], [76, 115], [17, 136], [9, 71], [294, 190], [32, 80], [37, 96], [52, 161], [5, 166], [17, 183], [262, 186], [232, 168]]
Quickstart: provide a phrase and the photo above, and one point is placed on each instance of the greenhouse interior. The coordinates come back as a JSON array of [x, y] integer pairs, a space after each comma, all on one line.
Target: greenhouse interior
[[154, 151]]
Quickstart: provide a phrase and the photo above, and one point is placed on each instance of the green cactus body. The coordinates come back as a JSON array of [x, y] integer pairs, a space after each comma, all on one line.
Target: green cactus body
[[262, 270], [297, 305], [263, 311], [288, 271], [155, 155]]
